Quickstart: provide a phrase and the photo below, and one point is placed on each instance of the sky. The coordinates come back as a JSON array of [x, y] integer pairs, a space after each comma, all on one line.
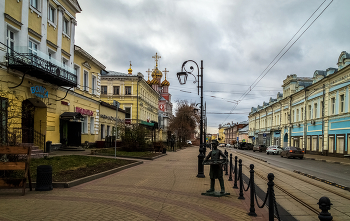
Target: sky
[[236, 39]]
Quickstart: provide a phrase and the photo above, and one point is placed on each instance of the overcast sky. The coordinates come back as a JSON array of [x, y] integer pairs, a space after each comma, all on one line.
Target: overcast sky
[[236, 39]]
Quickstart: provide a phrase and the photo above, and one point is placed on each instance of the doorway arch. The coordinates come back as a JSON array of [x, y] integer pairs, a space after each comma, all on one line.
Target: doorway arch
[[285, 140]]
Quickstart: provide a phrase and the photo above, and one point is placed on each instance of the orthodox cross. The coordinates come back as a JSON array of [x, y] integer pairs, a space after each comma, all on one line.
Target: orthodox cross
[[130, 64], [165, 71], [156, 57], [148, 72]]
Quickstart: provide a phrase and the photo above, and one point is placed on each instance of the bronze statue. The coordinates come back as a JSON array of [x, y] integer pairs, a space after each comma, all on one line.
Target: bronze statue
[[215, 167]]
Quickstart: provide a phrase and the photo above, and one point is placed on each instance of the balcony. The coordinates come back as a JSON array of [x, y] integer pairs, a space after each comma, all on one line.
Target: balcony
[[39, 65]]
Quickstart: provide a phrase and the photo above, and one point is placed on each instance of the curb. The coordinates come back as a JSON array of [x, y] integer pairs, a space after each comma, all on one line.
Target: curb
[[328, 161], [141, 158], [323, 180], [90, 178]]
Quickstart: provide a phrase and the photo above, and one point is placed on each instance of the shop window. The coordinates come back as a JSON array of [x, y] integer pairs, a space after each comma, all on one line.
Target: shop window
[[127, 112], [84, 126], [314, 143], [320, 143], [103, 89], [102, 131], [331, 144], [108, 130], [92, 131], [340, 144], [116, 90], [127, 90], [308, 143]]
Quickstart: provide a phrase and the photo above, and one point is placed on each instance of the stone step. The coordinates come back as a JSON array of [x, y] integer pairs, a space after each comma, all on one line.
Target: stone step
[[39, 155], [36, 151], [35, 148]]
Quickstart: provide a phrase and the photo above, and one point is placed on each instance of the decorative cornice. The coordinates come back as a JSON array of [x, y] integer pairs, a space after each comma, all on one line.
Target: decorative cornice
[[65, 53], [87, 65], [12, 19], [36, 34], [51, 44], [61, 8], [74, 21]]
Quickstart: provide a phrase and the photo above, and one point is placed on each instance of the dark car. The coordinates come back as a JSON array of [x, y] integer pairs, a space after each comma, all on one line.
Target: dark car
[[259, 148], [292, 152], [249, 146], [245, 146]]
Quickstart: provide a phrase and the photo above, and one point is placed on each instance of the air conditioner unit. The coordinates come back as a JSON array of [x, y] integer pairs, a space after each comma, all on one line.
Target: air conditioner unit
[[313, 122], [298, 125]]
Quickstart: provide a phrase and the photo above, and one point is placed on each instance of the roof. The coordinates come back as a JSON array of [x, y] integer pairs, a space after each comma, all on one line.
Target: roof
[[105, 104]]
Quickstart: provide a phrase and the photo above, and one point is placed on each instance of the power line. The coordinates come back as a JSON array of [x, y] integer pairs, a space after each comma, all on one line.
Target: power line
[[262, 75]]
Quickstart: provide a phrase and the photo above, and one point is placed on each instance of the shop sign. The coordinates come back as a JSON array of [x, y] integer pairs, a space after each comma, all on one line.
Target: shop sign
[[39, 91], [127, 121], [84, 111], [64, 103], [108, 117]]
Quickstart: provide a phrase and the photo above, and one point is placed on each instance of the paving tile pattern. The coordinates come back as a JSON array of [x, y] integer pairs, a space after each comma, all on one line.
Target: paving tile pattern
[[163, 189]]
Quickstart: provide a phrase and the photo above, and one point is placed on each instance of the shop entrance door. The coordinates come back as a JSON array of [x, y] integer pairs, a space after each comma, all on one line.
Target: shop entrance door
[[74, 134], [28, 110]]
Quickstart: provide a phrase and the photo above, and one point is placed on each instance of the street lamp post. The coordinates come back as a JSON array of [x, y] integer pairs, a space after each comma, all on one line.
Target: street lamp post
[[139, 78], [182, 77]]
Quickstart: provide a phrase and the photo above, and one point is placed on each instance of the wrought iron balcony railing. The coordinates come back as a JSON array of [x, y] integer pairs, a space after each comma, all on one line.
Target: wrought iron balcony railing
[[39, 67]]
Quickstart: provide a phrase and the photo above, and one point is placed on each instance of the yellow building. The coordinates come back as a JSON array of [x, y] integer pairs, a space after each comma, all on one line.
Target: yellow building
[[136, 97], [49, 88], [221, 137]]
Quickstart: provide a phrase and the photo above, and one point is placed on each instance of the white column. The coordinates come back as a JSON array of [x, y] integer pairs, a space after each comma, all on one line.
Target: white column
[[23, 34], [43, 46], [2, 27], [59, 32], [72, 40]]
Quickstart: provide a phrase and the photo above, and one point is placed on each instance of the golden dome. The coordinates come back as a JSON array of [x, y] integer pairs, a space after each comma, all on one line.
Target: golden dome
[[148, 82], [165, 83], [154, 81], [157, 73], [130, 70]]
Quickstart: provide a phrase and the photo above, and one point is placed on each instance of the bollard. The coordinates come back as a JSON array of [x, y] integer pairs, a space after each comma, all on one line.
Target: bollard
[[235, 181], [230, 177], [325, 205], [226, 170], [200, 164], [271, 196], [252, 189], [240, 181]]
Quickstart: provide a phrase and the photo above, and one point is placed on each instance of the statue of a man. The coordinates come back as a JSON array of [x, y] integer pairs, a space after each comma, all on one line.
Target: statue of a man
[[215, 169]]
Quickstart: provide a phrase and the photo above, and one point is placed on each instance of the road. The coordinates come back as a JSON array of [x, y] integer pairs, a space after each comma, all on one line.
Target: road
[[337, 173]]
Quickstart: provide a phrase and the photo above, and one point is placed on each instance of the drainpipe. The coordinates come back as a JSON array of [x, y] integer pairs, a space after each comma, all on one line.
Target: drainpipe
[[290, 120], [323, 102], [305, 122]]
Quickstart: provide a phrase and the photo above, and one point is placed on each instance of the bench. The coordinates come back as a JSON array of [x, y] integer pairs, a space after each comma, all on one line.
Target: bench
[[157, 147], [23, 165]]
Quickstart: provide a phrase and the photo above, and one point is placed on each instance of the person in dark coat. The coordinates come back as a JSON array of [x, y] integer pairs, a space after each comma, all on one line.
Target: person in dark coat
[[215, 169]]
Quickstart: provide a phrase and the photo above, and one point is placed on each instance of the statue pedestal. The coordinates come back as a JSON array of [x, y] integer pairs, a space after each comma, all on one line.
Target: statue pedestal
[[215, 194]]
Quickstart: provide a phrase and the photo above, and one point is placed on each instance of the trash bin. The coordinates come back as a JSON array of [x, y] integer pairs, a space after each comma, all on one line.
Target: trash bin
[[48, 146], [164, 150], [44, 178]]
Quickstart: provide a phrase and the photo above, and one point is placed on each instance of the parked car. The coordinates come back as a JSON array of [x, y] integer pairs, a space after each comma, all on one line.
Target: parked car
[[259, 148], [249, 146], [222, 145], [189, 142], [229, 145], [245, 146], [274, 150], [292, 152]]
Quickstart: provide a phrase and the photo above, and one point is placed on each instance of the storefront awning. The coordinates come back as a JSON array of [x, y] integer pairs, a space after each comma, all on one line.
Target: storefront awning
[[72, 116], [147, 123]]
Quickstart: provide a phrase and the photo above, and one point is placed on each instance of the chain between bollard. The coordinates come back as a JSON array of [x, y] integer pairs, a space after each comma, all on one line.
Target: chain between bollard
[[247, 187], [265, 200]]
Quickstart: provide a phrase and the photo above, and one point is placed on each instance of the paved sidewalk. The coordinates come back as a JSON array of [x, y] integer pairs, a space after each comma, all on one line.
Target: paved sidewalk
[[328, 159], [163, 189]]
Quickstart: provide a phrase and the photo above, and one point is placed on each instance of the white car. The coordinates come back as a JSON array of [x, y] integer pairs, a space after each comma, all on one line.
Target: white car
[[229, 145], [189, 142], [274, 150]]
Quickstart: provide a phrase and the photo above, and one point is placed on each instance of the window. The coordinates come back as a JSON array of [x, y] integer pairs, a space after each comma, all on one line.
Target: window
[[34, 4], [310, 113], [297, 115], [116, 90], [315, 107], [10, 41], [65, 26], [84, 126], [103, 89], [86, 81], [333, 105], [322, 108], [102, 131], [52, 14], [128, 112], [33, 48], [342, 103], [302, 113], [128, 90], [92, 131], [340, 144], [93, 84], [108, 130]]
